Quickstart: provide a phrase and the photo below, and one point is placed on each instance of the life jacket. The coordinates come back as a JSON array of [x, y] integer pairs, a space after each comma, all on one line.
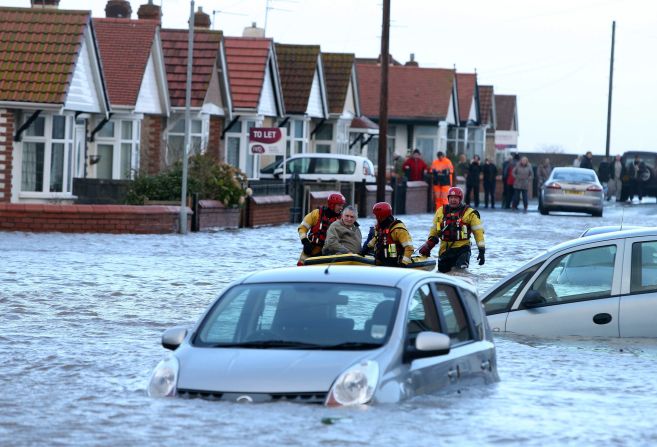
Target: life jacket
[[452, 227], [386, 249], [317, 233]]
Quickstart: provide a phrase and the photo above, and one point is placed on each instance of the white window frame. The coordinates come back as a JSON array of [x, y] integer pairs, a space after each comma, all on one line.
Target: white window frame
[[243, 136], [325, 142], [294, 141], [202, 136], [46, 139], [117, 141]]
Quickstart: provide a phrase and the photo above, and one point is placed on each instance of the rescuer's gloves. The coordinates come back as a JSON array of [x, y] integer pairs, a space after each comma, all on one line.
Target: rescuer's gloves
[[481, 256], [425, 250], [307, 246]]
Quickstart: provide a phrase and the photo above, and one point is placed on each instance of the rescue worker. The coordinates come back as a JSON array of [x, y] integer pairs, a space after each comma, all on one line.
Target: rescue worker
[[442, 170], [453, 224], [312, 230], [392, 243]]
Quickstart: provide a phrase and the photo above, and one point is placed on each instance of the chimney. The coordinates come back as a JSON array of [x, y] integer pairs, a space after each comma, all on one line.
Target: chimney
[[45, 4], [253, 31], [201, 19], [412, 62], [149, 11], [118, 9]]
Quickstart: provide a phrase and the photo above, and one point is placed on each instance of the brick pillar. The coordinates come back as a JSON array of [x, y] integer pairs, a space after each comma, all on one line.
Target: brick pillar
[[152, 146], [215, 146], [6, 153]]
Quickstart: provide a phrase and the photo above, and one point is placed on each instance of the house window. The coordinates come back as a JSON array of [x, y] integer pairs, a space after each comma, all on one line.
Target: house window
[[117, 145], [426, 141], [373, 147], [47, 158], [342, 137], [237, 148], [297, 142], [324, 138], [176, 138]]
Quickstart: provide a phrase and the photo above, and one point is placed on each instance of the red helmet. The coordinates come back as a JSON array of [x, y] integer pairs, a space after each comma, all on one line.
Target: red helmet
[[336, 199], [455, 191], [382, 211]]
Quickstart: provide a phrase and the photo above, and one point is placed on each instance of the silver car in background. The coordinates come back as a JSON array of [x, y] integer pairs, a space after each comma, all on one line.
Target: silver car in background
[[337, 335], [601, 285], [572, 189]]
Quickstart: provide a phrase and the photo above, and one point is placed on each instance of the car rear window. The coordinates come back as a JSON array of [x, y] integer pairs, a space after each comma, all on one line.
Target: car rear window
[[575, 177]]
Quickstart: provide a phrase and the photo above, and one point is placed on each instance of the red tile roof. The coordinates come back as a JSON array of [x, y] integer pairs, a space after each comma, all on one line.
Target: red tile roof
[[414, 93], [206, 52], [38, 52], [247, 59], [465, 86], [297, 65], [486, 103], [337, 74], [505, 107], [124, 70]]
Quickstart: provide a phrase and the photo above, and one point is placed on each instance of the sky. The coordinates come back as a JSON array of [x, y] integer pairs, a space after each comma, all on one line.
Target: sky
[[554, 56]]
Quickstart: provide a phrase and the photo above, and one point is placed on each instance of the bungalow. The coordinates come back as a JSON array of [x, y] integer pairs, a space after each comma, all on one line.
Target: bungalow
[[256, 95], [52, 88], [506, 132], [422, 105], [133, 62], [487, 110], [469, 136]]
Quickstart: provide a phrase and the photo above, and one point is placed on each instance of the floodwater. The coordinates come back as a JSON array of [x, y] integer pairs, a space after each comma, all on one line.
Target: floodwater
[[81, 318]]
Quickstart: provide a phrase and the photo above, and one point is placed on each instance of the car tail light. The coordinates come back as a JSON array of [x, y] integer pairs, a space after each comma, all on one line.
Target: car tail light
[[366, 169], [594, 188], [553, 185]]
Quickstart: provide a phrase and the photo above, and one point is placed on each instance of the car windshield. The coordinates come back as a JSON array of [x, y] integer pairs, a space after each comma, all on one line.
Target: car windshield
[[270, 168], [301, 316], [575, 177]]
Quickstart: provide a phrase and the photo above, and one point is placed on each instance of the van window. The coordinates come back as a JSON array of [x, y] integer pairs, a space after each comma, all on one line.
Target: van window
[[334, 166], [298, 166]]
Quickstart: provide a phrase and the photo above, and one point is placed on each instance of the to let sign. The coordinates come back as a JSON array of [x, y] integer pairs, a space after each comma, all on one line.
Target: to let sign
[[267, 140]]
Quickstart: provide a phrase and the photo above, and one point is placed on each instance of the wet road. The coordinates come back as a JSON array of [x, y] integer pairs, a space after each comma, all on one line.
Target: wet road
[[81, 318]]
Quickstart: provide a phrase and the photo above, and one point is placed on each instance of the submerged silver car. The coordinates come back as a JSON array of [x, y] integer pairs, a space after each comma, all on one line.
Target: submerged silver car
[[337, 335], [572, 189], [600, 285]]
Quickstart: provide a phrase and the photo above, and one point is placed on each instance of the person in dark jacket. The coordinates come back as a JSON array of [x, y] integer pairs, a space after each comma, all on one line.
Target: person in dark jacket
[[490, 177], [472, 181], [508, 180], [587, 161]]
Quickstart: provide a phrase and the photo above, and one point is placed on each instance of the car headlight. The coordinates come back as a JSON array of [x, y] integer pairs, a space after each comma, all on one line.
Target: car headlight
[[164, 378], [355, 386]]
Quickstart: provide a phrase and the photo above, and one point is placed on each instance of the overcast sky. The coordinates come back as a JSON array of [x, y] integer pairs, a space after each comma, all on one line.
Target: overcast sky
[[553, 55]]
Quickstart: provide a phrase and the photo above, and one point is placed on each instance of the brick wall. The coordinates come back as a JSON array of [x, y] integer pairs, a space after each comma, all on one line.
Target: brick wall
[[416, 197], [371, 198], [6, 153], [152, 146], [269, 210], [90, 218], [214, 142], [213, 214]]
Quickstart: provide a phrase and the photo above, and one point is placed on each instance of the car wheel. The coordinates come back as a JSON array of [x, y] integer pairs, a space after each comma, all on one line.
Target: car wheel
[[542, 210], [646, 175]]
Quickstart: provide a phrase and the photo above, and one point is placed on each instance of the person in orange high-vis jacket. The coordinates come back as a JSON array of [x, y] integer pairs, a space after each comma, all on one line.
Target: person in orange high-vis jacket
[[442, 171]]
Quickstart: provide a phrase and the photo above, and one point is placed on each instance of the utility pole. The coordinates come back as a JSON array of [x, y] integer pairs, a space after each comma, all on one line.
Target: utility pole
[[383, 106], [611, 82], [188, 118]]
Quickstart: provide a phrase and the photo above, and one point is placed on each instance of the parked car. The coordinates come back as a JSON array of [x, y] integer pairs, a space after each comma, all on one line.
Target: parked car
[[601, 285], [572, 189], [646, 180], [337, 335], [347, 168]]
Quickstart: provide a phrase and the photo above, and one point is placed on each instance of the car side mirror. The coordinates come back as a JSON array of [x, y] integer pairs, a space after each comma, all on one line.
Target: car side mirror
[[173, 337], [532, 299], [427, 344]]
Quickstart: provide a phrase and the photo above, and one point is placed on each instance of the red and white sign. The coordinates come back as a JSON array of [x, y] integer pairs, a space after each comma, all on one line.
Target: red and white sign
[[267, 140]]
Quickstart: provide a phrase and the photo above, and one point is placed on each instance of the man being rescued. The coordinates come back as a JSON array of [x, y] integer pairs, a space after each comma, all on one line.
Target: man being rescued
[[312, 230], [392, 243], [453, 224]]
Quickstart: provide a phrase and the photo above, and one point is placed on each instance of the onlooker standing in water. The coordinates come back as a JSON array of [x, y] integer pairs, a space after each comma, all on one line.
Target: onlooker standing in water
[[523, 174], [490, 178]]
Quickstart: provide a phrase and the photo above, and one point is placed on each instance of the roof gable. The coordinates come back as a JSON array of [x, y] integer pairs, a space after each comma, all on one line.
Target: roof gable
[[39, 51], [505, 106], [297, 65], [247, 59], [338, 68], [125, 46], [413, 92], [466, 87], [487, 105], [204, 61]]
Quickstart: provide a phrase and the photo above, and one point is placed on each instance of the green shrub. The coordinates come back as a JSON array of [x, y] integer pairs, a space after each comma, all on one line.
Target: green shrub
[[210, 178]]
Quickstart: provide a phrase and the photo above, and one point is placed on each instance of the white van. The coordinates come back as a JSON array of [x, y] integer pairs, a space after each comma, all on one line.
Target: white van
[[346, 168]]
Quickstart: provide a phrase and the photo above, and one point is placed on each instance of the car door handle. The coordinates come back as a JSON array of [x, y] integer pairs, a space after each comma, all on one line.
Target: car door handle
[[602, 318], [454, 374], [485, 365]]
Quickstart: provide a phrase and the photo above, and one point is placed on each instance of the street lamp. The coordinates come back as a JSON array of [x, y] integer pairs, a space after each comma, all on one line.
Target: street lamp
[[188, 100]]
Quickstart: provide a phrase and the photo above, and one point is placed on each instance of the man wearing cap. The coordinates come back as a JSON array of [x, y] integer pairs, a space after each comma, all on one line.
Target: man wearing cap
[[442, 171]]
